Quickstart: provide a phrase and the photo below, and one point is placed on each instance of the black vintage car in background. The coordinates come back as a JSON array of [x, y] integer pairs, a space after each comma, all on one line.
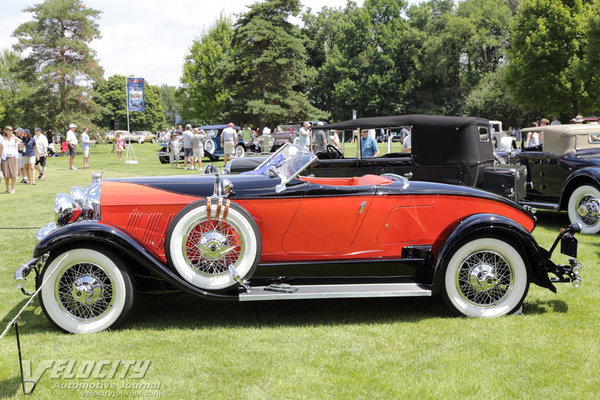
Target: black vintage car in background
[[454, 150], [563, 173]]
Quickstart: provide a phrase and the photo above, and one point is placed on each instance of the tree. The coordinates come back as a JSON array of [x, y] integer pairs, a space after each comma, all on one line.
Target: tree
[[365, 56], [169, 102], [204, 94], [59, 60], [112, 96], [490, 99], [547, 58], [266, 67]]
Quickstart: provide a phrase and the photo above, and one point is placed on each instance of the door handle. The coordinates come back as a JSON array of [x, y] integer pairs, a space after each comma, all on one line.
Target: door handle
[[362, 207]]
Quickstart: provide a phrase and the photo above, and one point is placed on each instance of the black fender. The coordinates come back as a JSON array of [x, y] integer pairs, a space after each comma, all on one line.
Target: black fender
[[118, 241], [536, 258], [576, 179]]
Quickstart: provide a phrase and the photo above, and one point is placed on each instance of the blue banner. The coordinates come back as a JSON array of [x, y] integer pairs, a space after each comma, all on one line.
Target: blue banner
[[135, 94]]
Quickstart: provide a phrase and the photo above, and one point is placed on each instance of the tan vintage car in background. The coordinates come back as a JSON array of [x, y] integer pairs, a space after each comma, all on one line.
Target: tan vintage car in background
[[111, 135], [563, 171], [144, 137]]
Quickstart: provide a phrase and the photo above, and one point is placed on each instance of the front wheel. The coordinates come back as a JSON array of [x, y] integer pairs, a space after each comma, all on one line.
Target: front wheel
[[486, 277], [86, 290], [584, 208]]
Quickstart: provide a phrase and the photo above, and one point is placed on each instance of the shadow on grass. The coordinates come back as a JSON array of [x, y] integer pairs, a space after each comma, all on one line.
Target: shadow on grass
[[32, 320], [553, 219], [192, 312], [544, 306], [10, 387]]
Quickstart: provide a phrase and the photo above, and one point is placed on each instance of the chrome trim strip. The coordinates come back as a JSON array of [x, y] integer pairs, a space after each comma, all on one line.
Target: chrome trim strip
[[259, 293]]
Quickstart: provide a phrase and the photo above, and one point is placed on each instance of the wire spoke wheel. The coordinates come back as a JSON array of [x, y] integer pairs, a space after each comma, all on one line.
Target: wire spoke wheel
[[86, 290], [584, 208], [201, 247], [485, 277]]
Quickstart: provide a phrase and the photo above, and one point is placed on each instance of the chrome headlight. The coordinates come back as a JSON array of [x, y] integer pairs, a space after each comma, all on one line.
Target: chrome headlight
[[92, 203], [66, 209], [78, 194], [81, 204]]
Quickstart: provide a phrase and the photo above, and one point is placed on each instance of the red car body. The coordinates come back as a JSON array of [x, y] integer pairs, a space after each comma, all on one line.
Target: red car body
[[273, 234]]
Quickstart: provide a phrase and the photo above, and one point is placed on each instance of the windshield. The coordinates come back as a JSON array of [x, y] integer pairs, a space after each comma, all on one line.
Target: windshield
[[287, 162]]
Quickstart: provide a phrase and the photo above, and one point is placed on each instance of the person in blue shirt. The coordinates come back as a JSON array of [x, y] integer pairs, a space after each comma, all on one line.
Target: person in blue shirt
[[86, 145], [30, 156], [368, 145]]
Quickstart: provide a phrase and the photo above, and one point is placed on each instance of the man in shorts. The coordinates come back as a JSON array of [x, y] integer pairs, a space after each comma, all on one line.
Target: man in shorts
[[198, 147], [188, 134], [72, 143], [86, 145], [228, 139], [41, 142]]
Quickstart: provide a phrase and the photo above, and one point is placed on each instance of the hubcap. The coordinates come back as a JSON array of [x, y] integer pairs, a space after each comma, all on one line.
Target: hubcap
[[210, 247], [588, 209], [87, 290], [484, 278]]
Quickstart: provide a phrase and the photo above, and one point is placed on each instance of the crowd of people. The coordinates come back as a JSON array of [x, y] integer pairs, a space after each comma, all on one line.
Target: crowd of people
[[193, 147], [25, 155]]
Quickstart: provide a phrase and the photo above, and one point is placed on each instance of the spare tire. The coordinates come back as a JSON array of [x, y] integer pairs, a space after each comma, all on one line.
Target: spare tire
[[201, 247]]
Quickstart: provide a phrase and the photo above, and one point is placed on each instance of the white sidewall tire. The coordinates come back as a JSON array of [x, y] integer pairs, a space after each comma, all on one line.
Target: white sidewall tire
[[209, 146], [572, 208], [239, 151], [122, 289], [246, 262], [517, 291]]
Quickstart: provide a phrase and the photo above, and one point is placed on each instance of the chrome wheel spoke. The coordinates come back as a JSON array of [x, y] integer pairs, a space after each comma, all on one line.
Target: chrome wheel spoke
[[85, 291], [211, 246], [484, 278]]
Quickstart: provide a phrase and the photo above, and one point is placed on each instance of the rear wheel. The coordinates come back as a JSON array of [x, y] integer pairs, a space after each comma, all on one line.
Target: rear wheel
[[584, 208], [201, 249], [86, 290], [485, 277]]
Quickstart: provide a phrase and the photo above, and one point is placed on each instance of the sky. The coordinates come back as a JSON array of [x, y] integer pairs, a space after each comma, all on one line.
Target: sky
[[144, 38]]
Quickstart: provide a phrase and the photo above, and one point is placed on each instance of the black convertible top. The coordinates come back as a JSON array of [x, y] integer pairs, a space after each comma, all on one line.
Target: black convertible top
[[415, 120], [436, 140]]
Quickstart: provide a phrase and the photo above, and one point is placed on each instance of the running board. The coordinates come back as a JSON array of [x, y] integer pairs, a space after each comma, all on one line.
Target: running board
[[411, 289]]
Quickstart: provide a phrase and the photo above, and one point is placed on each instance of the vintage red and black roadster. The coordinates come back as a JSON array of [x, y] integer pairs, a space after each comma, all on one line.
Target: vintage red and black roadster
[[272, 234]]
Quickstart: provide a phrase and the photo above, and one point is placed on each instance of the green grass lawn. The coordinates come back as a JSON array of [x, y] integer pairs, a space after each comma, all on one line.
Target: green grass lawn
[[321, 349]]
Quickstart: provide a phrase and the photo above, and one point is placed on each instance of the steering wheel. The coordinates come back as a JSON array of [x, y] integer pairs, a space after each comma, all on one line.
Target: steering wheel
[[334, 153]]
